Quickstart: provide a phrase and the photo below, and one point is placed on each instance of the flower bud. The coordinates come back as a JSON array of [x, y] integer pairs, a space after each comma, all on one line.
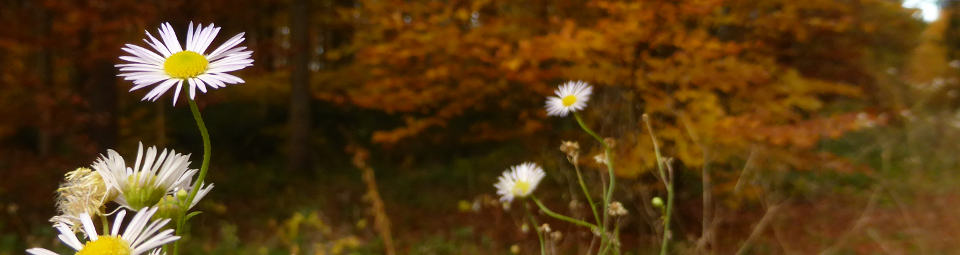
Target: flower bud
[[657, 202]]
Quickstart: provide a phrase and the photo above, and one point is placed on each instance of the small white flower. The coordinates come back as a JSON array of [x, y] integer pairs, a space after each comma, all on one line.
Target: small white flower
[[146, 184], [168, 64], [140, 236], [519, 181], [571, 97]]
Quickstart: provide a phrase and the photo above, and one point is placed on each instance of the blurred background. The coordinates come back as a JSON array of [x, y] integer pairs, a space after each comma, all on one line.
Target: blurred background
[[372, 127]]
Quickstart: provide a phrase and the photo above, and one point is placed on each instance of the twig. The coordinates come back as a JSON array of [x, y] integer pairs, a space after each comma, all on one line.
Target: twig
[[377, 207], [746, 168], [862, 220], [760, 227], [706, 233]]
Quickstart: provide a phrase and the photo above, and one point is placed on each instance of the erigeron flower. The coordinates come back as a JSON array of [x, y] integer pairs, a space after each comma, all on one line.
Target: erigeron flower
[[168, 64], [141, 235], [519, 181], [571, 97], [82, 192], [150, 179]]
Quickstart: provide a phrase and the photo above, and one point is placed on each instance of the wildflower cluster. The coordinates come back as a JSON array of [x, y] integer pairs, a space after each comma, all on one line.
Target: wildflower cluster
[[159, 187], [519, 181]]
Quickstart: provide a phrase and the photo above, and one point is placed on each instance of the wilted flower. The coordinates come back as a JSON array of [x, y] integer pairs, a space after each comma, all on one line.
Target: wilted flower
[[545, 228], [571, 148], [571, 97], [519, 181], [139, 236], [556, 235], [600, 159], [83, 192], [168, 64], [147, 183], [616, 209]]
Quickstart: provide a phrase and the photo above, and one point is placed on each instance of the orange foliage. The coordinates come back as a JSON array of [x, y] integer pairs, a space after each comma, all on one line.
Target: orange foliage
[[741, 73]]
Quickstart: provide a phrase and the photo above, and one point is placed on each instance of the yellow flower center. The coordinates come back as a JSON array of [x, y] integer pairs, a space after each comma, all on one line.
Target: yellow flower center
[[106, 245], [185, 64], [520, 188], [569, 100]]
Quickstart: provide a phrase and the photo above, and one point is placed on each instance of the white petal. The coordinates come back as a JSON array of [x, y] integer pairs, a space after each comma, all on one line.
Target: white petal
[[176, 94], [208, 36], [159, 90], [170, 38], [193, 89], [157, 45], [88, 227], [190, 37], [41, 251], [226, 46]]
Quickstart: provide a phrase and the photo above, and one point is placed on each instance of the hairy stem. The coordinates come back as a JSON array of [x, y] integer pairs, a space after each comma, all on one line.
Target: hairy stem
[[204, 166]]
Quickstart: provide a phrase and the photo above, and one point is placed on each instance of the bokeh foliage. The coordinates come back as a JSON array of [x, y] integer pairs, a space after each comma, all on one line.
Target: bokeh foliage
[[447, 93]]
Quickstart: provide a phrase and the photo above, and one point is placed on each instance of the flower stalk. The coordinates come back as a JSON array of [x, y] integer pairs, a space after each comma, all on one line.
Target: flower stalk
[[561, 216], [666, 174], [204, 166], [608, 191]]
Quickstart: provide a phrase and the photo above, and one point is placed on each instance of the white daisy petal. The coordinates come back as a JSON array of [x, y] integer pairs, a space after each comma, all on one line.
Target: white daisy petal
[[157, 45], [116, 227], [210, 33], [88, 227], [170, 38], [215, 83], [190, 35], [193, 88], [41, 251], [159, 90], [236, 39], [68, 237]]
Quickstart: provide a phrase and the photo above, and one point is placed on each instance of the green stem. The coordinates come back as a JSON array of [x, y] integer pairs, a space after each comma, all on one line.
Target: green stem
[[667, 182], [204, 166], [666, 220], [612, 244], [586, 193], [536, 228], [589, 131], [608, 193], [105, 222], [561, 217]]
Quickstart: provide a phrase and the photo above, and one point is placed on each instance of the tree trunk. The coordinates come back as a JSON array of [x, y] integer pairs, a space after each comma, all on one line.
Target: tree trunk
[[299, 140]]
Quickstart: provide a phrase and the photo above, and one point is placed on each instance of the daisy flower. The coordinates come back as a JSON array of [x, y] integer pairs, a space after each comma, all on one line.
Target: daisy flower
[[150, 179], [571, 97], [168, 64], [140, 236], [519, 181]]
